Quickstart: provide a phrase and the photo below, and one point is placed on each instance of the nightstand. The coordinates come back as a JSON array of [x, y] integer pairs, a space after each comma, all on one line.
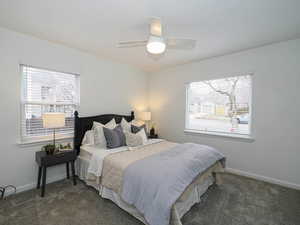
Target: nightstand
[[44, 161], [155, 136]]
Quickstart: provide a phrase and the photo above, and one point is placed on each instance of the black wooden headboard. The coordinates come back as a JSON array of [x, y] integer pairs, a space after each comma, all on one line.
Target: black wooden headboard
[[82, 124]]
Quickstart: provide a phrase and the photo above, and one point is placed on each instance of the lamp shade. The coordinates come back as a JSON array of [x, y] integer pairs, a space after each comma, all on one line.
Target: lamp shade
[[53, 120], [145, 116]]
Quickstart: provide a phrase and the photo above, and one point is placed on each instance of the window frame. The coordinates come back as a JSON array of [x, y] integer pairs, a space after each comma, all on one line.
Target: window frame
[[28, 140], [249, 136]]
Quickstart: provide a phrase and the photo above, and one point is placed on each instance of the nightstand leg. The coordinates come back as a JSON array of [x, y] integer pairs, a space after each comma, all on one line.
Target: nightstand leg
[[39, 178], [67, 168], [73, 172], [44, 181]]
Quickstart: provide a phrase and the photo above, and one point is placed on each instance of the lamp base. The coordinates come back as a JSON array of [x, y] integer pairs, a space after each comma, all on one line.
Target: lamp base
[[152, 131]]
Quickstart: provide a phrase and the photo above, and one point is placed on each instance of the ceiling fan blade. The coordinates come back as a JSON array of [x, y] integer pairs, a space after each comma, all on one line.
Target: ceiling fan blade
[[131, 44], [181, 44], [155, 27]]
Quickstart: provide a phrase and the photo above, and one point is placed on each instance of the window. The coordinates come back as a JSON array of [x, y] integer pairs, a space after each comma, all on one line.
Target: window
[[221, 106], [47, 91]]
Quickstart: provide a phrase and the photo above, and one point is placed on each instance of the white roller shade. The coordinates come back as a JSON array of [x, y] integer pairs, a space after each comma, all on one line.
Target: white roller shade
[[45, 91]]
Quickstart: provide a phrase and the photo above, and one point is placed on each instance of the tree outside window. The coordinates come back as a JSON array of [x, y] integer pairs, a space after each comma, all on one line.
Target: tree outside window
[[222, 105]]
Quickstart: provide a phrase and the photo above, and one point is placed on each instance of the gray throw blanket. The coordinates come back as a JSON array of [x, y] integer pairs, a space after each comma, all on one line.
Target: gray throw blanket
[[154, 184]]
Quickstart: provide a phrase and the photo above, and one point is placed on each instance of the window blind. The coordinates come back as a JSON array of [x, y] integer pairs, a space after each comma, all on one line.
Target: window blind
[[46, 91]]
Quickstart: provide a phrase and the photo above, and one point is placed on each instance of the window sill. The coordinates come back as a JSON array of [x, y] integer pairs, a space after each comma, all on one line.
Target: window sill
[[43, 140], [226, 135]]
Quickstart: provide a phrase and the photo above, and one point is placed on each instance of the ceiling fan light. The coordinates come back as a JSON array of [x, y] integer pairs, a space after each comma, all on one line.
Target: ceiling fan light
[[156, 45]]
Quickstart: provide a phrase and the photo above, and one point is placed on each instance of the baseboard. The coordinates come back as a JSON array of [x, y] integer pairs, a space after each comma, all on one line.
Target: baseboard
[[30, 186], [263, 178], [27, 187]]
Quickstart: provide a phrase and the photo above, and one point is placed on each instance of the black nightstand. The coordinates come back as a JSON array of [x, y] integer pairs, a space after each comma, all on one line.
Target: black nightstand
[[155, 136], [44, 161]]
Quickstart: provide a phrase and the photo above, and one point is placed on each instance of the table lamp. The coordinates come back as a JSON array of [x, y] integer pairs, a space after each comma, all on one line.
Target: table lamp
[[145, 116], [53, 121]]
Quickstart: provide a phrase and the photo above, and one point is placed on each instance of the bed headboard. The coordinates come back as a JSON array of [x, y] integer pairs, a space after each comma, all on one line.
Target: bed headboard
[[82, 124]]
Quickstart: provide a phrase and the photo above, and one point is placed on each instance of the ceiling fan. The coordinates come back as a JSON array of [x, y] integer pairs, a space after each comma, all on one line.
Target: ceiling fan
[[156, 43]]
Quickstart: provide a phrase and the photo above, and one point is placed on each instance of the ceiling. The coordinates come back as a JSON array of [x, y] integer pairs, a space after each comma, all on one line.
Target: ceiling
[[220, 27]]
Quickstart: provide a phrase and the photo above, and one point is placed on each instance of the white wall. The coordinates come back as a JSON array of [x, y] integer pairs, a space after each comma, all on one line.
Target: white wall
[[275, 153], [106, 87], [112, 87]]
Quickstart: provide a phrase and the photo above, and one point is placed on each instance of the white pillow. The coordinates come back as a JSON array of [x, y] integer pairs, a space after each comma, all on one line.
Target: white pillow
[[110, 125], [88, 138], [143, 135], [126, 126], [137, 123], [99, 137], [133, 140]]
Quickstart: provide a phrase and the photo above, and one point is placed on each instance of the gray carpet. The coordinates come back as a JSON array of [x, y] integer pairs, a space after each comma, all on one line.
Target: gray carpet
[[238, 201]]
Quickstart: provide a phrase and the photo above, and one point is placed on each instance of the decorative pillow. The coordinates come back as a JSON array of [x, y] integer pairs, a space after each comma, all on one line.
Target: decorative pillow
[[133, 140], [114, 137], [135, 129], [125, 125], [137, 123], [111, 124], [99, 137], [88, 138], [143, 135]]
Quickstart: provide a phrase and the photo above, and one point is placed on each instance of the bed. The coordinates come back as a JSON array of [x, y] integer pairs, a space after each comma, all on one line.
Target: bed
[[114, 173]]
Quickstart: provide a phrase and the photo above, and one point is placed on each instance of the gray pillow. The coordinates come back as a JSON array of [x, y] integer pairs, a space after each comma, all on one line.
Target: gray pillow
[[114, 137], [135, 129]]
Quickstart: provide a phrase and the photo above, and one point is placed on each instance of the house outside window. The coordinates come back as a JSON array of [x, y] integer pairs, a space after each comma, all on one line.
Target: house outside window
[[46, 91], [220, 106]]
